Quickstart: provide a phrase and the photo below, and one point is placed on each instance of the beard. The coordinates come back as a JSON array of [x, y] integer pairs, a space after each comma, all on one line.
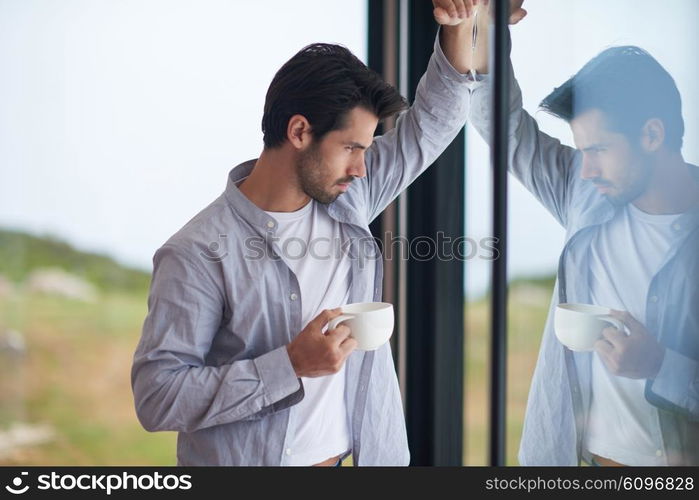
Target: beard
[[635, 186], [312, 175]]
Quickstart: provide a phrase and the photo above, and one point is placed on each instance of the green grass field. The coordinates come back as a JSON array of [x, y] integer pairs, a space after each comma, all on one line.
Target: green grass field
[[76, 379], [528, 306]]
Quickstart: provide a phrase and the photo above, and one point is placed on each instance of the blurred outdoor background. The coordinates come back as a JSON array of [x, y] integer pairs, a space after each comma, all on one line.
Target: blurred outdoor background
[[119, 120]]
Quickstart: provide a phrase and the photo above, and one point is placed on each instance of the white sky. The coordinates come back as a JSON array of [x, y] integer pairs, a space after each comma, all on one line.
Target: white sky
[[120, 119]]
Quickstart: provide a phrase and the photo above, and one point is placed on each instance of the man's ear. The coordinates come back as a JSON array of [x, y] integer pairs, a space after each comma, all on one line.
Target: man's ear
[[652, 135], [298, 132]]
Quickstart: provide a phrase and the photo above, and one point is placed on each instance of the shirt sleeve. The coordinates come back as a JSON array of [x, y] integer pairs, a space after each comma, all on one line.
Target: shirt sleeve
[[421, 134], [540, 162], [676, 387], [173, 387]]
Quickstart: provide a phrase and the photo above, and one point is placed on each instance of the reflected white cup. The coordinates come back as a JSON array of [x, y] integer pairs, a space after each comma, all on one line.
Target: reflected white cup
[[579, 326], [370, 323]]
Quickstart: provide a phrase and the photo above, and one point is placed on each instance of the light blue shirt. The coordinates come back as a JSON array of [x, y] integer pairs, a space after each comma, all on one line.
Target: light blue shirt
[[559, 396], [212, 362]]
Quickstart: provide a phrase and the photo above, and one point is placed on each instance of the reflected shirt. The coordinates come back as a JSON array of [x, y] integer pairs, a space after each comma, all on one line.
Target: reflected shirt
[[559, 398], [624, 256]]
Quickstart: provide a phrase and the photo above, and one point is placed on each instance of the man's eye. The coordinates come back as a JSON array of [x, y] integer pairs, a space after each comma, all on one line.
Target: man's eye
[[349, 148]]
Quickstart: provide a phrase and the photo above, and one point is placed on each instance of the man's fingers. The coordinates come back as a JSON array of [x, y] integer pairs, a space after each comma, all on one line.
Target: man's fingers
[[634, 326], [603, 347], [452, 10], [467, 8], [446, 8], [441, 15], [324, 317], [605, 356], [464, 8], [517, 16], [339, 334], [614, 336], [348, 345]]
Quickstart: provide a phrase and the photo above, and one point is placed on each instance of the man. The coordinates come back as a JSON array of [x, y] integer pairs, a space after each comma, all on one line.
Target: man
[[233, 355], [630, 206]]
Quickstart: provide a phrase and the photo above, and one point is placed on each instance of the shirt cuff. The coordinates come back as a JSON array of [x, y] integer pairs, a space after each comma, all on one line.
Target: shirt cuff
[[277, 374], [674, 378]]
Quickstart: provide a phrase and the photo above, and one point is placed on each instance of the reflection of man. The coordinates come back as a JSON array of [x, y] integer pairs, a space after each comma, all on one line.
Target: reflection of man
[[221, 359], [630, 206]]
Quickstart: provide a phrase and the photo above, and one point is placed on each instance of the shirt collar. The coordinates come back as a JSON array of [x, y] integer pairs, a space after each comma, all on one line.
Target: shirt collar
[[261, 220], [251, 213]]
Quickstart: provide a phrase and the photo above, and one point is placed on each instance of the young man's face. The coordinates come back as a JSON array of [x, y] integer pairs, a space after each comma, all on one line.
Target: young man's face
[[329, 165], [619, 169]]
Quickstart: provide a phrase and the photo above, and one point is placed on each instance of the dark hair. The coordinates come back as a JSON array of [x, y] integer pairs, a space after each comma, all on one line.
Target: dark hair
[[629, 86], [323, 82]]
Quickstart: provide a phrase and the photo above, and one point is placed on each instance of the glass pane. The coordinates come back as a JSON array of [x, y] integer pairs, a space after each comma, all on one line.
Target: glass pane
[[119, 121], [623, 207]]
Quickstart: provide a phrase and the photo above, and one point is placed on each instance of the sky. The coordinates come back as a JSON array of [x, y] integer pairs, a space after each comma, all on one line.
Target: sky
[[120, 119]]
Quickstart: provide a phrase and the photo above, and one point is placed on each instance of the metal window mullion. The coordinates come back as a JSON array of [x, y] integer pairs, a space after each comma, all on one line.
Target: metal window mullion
[[499, 148]]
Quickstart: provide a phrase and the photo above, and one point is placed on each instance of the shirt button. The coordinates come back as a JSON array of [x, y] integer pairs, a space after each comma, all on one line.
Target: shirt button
[[676, 226], [288, 451], [654, 298], [658, 453], [270, 224], [293, 296]]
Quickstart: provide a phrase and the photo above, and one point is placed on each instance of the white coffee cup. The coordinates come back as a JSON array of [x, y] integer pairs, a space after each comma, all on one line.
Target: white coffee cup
[[370, 323], [579, 326]]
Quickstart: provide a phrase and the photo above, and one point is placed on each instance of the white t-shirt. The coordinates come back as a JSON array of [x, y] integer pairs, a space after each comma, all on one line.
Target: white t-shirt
[[624, 256], [311, 245]]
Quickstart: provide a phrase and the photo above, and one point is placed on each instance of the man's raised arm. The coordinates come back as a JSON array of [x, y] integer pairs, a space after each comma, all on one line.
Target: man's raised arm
[[540, 162], [438, 113]]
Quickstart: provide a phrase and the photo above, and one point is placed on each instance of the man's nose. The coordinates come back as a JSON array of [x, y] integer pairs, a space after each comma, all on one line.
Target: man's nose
[[358, 168], [590, 170]]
